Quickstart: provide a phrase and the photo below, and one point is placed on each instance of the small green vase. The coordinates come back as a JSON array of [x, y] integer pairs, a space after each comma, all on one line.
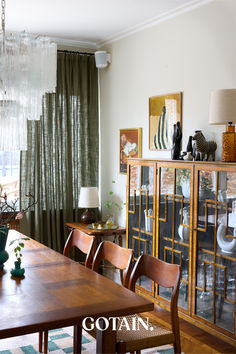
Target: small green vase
[[17, 271], [3, 240]]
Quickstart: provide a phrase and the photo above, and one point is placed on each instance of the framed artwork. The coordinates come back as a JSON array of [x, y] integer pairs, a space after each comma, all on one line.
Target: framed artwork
[[164, 112], [130, 146]]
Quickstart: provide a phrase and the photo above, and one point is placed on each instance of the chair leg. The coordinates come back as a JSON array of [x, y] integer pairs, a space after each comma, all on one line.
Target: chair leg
[[45, 342], [40, 342], [177, 346], [77, 339]]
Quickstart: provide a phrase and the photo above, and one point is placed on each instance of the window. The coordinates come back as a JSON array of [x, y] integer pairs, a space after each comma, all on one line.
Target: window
[[10, 173]]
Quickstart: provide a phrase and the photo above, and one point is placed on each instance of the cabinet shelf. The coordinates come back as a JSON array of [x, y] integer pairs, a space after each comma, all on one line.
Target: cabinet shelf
[[142, 231], [170, 198], [176, 241], [222, 255], [209, 290]]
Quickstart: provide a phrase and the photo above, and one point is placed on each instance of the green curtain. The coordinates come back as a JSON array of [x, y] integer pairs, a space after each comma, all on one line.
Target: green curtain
[[62, 150]]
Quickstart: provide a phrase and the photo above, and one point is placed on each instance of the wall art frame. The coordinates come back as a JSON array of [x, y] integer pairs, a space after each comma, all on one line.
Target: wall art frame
[[130, 146], [164, 112]]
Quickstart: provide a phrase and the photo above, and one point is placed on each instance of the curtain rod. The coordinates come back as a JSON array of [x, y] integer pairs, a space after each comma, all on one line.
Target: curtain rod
[[71, 51]]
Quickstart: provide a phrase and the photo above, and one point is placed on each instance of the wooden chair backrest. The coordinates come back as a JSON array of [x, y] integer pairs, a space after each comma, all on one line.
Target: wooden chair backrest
[[83, 242], [118, 256], [166, 275]]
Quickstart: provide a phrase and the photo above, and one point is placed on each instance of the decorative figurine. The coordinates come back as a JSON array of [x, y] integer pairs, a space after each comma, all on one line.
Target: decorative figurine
[[204, 149], [177, 136], [188, 157]]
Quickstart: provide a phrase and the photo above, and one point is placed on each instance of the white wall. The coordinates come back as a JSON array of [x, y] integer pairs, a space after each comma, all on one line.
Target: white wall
[[193, 53]]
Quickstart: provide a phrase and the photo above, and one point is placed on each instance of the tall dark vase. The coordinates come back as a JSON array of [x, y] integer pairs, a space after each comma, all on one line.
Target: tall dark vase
[[3, 240], [190, 145], [177, 136]]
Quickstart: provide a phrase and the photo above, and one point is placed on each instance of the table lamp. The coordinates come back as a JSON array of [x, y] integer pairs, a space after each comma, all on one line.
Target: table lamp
[[223, 111], [88, 199]]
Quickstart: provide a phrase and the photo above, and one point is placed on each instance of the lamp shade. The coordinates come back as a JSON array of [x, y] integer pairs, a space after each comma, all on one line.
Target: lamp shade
[[223, 107], [88, 197]]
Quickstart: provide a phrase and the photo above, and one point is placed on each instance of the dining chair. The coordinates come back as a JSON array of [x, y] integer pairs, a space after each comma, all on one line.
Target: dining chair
[[168, 276], [85, 244], [119, 257]]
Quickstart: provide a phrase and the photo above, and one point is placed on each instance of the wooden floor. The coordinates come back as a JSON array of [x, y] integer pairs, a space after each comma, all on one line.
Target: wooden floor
[[193, 339]]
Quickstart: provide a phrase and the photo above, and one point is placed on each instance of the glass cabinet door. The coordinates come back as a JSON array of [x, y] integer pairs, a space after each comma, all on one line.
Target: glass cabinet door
[[174, 228], [141, 213], [215, 245]]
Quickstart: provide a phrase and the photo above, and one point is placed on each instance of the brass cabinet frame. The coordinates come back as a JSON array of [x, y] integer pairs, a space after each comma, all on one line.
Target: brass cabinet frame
[[176, 197], [194, 167], [132, 211]]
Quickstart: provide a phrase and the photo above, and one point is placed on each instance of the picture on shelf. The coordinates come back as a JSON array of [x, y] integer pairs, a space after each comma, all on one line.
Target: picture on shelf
[[164, 112], [130, 146]]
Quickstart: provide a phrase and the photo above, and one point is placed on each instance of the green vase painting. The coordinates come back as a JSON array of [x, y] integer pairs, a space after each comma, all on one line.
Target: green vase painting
[[3, 240]]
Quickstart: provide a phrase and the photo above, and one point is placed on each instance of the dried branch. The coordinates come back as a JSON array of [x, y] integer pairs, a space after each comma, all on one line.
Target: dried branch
[[8, 210]]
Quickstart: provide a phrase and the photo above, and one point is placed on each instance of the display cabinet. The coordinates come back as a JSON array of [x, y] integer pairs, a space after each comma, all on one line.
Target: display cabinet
[[185, 213], [141, 210]]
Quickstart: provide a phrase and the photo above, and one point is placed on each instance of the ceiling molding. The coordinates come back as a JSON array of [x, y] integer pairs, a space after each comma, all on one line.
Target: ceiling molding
[[74, 43], [154, 21], [64, 42]]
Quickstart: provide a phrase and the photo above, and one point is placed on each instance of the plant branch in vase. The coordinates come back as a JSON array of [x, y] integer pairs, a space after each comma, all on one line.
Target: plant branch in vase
[[111, 205]]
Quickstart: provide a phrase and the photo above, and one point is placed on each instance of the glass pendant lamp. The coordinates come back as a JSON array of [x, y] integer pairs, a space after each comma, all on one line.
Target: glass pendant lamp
[[27, 72]]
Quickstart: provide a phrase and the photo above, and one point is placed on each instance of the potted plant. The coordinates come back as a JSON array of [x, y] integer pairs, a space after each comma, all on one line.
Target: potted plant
[[18, 271], [8, 212]]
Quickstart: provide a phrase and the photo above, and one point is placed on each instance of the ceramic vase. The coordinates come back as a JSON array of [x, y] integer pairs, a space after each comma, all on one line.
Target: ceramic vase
[[3, 240], [226, 244], [183, 231], [176, 140], [189, 145], [17, 271], [186, 189]]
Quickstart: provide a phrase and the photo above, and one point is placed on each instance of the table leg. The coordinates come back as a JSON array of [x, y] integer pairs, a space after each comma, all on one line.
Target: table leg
[[120, 240], [45, 342], [77, 339], [40, 342], [105, 340]]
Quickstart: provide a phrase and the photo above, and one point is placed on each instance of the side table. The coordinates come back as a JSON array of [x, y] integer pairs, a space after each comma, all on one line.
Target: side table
[[99, 234]]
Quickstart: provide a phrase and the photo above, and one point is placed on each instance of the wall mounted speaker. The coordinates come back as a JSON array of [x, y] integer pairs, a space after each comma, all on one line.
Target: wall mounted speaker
[[102, 58]]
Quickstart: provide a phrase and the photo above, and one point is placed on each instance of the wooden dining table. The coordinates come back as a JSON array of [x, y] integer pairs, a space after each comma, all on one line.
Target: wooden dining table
[[58, 292]]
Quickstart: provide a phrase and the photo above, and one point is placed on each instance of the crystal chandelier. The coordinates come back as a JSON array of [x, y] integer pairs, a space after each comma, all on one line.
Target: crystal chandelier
[[27, 72]]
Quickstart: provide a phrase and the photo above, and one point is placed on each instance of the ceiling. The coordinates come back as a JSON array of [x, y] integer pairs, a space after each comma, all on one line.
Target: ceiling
[[92, 22]]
